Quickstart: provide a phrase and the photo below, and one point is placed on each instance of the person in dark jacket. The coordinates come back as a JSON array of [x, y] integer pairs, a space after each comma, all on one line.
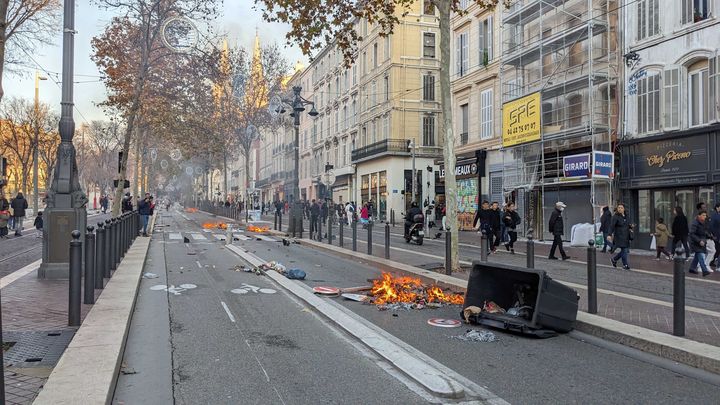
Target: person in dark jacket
[[621, 235], [495, 226], [482, 220], [19, 204], [715, 231], [4, 215], [145, 210], [680, 231], [511, 220], [605, 219], [557, 228], [698, 243], [127, 205], [314, 218]]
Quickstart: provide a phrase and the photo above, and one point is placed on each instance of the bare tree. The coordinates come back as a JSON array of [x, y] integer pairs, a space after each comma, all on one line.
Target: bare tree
[[24, 24], [48, 143], [18, 131]]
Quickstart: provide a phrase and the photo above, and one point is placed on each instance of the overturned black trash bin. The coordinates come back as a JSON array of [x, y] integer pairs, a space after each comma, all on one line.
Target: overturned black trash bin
[[533, 303]]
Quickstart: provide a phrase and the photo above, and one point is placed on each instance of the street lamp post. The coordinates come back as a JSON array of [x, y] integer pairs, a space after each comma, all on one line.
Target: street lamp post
[[297, 104], [65, 199], [411, 145], [36, 153]]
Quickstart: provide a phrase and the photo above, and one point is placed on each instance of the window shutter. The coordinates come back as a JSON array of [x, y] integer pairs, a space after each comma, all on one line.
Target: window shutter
[[640, 20], [481, 42], [458, 50], [671, 97], [714, 88], [490, 38], [465, 53]]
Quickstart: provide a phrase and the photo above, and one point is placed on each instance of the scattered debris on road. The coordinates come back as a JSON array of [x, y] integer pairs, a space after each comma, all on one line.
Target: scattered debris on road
[[472, 335], [150, 275]]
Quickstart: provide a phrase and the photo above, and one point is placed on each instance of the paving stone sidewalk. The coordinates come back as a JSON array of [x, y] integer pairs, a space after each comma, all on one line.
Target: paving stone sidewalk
[[34, 322]]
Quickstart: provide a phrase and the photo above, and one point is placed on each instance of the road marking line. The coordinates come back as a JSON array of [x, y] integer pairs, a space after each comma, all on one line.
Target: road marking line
[[266, 238], [241, 237], [17, 274], [198, 264], [198, 236], [227, 310], [175, 236], [219, 236]]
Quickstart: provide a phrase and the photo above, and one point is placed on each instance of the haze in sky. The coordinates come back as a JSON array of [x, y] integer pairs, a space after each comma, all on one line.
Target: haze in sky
[[238, 19]]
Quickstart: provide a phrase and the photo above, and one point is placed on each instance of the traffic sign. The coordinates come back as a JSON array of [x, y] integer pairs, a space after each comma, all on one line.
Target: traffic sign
[[326, 290], [444, 323]]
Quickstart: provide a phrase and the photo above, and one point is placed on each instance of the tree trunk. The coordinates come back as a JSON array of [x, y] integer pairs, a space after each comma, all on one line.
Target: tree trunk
[[225, 180], [4, 4], [449, 144]]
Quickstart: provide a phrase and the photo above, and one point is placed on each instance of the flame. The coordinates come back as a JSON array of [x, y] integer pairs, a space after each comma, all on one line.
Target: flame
[[213, 225], [257, 229], [389, 289], [191, 210]]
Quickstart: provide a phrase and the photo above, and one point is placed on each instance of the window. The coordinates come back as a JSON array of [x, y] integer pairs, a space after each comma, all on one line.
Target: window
[[364, 62], [353, 112], [486, 41], [463, 4], [354, 74], [648, 18], [575, 109], [344, 118], [387, 47], [649, 103], [464, 124], [337, 121], [373, 94], [364, 136], [714, 88], [486, 114], [694, 11], [337, 86], [386, 127], [671, 97], [429, 130], [314, 132], [429, 45], [387, 88], [428, 87], [461, 54], [428, 8], [375, 54], [698, 97], [346, 84]]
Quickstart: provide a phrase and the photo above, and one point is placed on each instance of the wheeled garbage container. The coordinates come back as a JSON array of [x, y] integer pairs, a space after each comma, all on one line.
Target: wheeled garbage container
[[521, 300]]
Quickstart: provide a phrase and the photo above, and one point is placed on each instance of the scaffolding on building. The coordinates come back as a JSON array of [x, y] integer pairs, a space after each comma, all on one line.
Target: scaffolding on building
[[567, 51]]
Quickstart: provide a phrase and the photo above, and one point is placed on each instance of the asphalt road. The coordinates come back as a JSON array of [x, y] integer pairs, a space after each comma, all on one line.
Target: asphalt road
[[255, 346], [17, 252], [564, 369]]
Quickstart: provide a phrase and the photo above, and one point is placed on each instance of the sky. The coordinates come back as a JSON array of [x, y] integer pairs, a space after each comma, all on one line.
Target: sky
[[237, 18]]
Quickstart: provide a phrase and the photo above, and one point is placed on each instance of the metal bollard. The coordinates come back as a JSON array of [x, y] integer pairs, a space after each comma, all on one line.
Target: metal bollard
[[354, 236], [448, 252], [275, 222], [319, 230], [107, 253], [341, 234], [679, 293], [99, 253], [122, 229], [592, 277], [301, 226], [113, 244], [530, 254], [483, 247], [295, 226], [89, 285], [369, 238], [387, 240], [75, 279], [329, 230], [392, 217], [228, 235], [280, 222]]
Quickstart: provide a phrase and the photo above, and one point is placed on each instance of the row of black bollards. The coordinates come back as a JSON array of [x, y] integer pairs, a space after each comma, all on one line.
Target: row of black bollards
[[104, 249]]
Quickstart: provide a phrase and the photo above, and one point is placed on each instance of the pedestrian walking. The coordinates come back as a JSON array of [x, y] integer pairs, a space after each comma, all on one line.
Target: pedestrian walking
[[145, 210], [4, 215], [349, 211], [698, 243], [715, 231], [482, 220], [324, 212], [662, 236], [511, 219], [495, 226], [19, 205], [680, 231], [127, 204], [38, 224], [605, 219], [621, 233], [557, 228], [365, 215], [314, 218]]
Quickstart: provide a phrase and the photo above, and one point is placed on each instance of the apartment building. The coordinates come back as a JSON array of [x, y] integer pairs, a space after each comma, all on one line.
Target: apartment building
[[669, 152], [559, 68], [373, 118], [475, 88]]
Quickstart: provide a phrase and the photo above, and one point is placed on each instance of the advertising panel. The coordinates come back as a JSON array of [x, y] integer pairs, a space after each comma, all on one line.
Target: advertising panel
[[521, 120]]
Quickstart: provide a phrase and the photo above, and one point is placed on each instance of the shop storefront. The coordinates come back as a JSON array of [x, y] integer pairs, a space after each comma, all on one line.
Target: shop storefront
[[373, 188], [668, 171], [468, 172]]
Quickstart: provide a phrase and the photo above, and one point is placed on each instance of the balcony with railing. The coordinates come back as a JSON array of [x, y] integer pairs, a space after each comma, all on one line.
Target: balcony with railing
[[384, 147]]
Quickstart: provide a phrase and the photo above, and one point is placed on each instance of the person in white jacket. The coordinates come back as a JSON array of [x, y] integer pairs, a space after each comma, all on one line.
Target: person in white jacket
[[349, 210]]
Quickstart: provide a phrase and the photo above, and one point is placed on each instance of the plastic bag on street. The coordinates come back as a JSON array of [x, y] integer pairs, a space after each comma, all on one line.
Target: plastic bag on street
[[295, 274]]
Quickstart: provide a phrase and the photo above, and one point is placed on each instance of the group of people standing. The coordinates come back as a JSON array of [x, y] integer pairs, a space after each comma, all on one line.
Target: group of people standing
[[12, 215], [498, 225]]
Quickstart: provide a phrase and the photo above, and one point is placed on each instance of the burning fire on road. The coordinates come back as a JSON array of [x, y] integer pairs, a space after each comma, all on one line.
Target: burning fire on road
[[257, 229], [407, 290], [214, 225]]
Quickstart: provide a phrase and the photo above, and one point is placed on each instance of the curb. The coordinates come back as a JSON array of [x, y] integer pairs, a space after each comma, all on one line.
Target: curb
[[435, 378], [681, 350], [88, 369]]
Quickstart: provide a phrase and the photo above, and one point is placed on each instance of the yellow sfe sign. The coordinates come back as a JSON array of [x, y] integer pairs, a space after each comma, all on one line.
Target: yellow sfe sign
[[521, 120]]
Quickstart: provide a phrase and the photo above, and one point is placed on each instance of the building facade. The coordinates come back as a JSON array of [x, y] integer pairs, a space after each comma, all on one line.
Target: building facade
[[669, 151], [559, 68], [475, 88]]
